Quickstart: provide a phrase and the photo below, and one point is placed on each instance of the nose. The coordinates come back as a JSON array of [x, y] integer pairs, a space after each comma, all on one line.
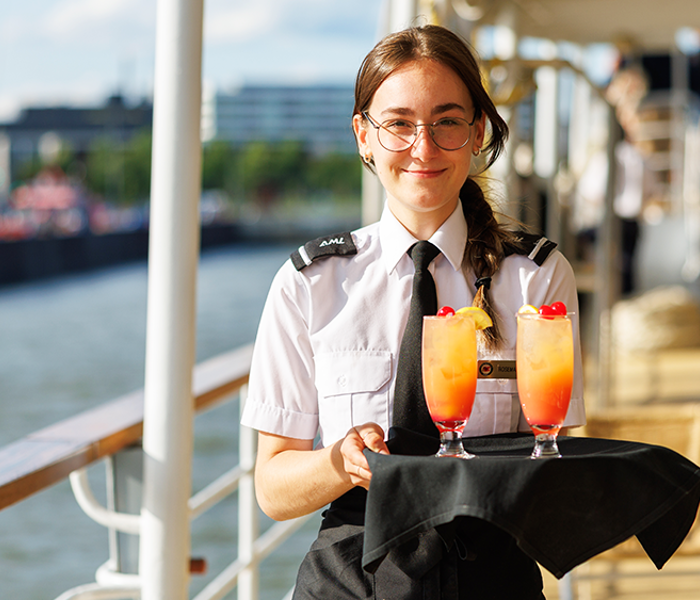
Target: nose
[[424, 147]]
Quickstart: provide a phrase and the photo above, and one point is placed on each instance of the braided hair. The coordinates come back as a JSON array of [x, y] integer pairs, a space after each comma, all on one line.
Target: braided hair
[[487, 245]]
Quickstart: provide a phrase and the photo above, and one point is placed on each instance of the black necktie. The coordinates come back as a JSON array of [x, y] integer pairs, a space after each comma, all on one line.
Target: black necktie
[[410, 409]]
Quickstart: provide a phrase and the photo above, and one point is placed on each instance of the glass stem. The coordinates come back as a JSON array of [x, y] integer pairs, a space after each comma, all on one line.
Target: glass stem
[[451, 442], [546, 446]]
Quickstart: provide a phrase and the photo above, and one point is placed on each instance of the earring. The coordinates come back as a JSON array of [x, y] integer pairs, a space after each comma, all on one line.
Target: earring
[[476, 151], [367, 158]]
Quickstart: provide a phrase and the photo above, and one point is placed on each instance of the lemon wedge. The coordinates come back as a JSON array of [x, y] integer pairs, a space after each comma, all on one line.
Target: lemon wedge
[[527, 309], [481, 319]]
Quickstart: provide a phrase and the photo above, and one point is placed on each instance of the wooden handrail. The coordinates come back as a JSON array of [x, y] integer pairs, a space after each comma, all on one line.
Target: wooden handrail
[[46, 457]]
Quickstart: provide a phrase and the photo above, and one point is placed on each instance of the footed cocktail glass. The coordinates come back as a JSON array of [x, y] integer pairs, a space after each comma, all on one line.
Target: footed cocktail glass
[[449, 377], [545, 371]]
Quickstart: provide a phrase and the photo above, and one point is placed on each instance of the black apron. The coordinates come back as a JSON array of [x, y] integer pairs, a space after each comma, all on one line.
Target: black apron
[[469, 559]]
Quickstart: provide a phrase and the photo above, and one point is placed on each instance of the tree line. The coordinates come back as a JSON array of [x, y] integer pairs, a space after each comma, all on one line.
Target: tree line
[[120, 172]]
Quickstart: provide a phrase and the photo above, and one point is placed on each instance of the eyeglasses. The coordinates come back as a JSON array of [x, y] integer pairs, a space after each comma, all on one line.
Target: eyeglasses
[[397, 135]]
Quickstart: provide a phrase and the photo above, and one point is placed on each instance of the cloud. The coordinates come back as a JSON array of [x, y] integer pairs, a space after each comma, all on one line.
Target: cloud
[[92, 20], [334, 19], [12, 29], [76, 51], [87, 90], [238, 21], [238, 24]]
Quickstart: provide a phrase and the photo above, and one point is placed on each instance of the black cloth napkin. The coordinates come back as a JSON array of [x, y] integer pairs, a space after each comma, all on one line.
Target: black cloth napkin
[[561, 512]]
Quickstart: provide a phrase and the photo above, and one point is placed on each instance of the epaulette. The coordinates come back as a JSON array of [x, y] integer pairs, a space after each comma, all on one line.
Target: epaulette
[[532, 245], [338, 244]]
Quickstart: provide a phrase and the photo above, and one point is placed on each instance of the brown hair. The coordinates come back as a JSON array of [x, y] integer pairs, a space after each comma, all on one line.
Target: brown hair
[[487, 238]]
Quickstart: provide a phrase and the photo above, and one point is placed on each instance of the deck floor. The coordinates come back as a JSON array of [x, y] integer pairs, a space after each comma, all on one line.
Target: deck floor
[[663, 377], [641, 581]]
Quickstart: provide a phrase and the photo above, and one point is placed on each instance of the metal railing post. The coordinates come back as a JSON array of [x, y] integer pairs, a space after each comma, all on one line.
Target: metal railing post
[[248, 525], [125, 493], [607, 270]]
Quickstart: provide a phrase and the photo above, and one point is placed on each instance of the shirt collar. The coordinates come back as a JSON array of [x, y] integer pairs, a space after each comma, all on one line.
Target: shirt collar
[[450, 238]]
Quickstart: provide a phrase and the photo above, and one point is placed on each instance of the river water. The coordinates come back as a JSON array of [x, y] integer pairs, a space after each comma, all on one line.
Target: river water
[[69, 344]]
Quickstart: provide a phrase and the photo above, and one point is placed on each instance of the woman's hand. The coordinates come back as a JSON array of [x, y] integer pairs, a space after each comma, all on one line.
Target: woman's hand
[[354, 463], [292, 479]]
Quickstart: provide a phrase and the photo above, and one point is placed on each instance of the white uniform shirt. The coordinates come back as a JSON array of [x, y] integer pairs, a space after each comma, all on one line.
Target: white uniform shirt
[[327, 347]]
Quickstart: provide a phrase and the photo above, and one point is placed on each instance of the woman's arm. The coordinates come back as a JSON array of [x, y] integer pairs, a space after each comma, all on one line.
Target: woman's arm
[[292, 479]]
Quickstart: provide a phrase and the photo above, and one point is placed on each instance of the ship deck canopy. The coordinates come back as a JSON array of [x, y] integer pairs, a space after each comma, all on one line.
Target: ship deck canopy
[[652, 24]]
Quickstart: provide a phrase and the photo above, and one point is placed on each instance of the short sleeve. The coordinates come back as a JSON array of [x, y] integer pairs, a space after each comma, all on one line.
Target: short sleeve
[[282, 397]]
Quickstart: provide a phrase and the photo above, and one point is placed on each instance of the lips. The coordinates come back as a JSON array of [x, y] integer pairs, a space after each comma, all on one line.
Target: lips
[[424, 173]]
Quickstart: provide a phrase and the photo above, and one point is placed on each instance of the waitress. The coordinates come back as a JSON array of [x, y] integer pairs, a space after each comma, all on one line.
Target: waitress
[[327, 351]]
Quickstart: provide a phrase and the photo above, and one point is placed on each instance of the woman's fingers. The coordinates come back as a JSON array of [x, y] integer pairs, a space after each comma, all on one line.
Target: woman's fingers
[[369, 435], [372, 436]]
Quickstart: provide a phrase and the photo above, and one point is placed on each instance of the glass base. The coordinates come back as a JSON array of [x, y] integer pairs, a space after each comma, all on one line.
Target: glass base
[[451, 440], [545, 446]]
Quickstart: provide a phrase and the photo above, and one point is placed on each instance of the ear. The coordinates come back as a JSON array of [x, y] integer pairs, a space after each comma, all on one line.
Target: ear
[[479, 132], [359, 127]]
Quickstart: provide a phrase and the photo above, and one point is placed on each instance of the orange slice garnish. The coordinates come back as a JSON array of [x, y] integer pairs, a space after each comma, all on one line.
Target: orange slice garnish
[[481, 319], [527, 309]]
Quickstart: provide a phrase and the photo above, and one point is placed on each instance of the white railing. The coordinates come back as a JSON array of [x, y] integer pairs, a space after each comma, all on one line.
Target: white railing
[[217, 382], [253, 548]]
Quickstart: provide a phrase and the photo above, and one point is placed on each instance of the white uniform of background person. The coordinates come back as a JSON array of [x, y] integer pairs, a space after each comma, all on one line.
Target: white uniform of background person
[[327, 347]]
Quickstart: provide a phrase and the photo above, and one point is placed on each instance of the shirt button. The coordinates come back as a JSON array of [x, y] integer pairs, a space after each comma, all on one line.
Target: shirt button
[[342, 381]]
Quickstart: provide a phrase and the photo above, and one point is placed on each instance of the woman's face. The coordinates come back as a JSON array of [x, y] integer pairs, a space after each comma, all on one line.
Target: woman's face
[[423, 182]]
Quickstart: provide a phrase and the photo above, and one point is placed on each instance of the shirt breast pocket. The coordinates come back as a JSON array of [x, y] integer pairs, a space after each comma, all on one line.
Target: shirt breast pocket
[[353, 388]]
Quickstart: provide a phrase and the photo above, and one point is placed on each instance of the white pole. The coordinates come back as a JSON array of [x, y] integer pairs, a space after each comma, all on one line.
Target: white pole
[[402, 14], [546, 151], [248, 524], [399, 14], [170, 343], [607, 270], [546, 122]]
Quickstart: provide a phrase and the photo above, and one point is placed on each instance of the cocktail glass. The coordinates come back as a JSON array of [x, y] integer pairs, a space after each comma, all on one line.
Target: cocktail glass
[[449, 377], [545, 371]]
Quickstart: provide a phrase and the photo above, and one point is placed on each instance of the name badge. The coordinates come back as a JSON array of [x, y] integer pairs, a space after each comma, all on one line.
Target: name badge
[[496, 369]]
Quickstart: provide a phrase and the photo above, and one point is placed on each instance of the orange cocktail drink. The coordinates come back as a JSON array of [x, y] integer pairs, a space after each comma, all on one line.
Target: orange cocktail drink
[[449, 377], [545, 371]]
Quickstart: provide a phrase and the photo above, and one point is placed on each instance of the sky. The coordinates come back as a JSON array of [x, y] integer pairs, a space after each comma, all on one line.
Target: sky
[[78, 52]]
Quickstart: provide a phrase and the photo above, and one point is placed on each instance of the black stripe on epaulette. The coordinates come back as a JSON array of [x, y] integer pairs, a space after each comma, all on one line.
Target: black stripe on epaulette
[[338, 244], [532, 245]]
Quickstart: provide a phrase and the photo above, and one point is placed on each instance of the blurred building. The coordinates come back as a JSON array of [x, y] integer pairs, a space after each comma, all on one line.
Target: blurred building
[[40, 132], [318, 116]]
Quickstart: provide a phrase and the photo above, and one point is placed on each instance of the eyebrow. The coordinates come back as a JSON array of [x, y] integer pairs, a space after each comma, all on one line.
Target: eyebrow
[[441, 108]]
